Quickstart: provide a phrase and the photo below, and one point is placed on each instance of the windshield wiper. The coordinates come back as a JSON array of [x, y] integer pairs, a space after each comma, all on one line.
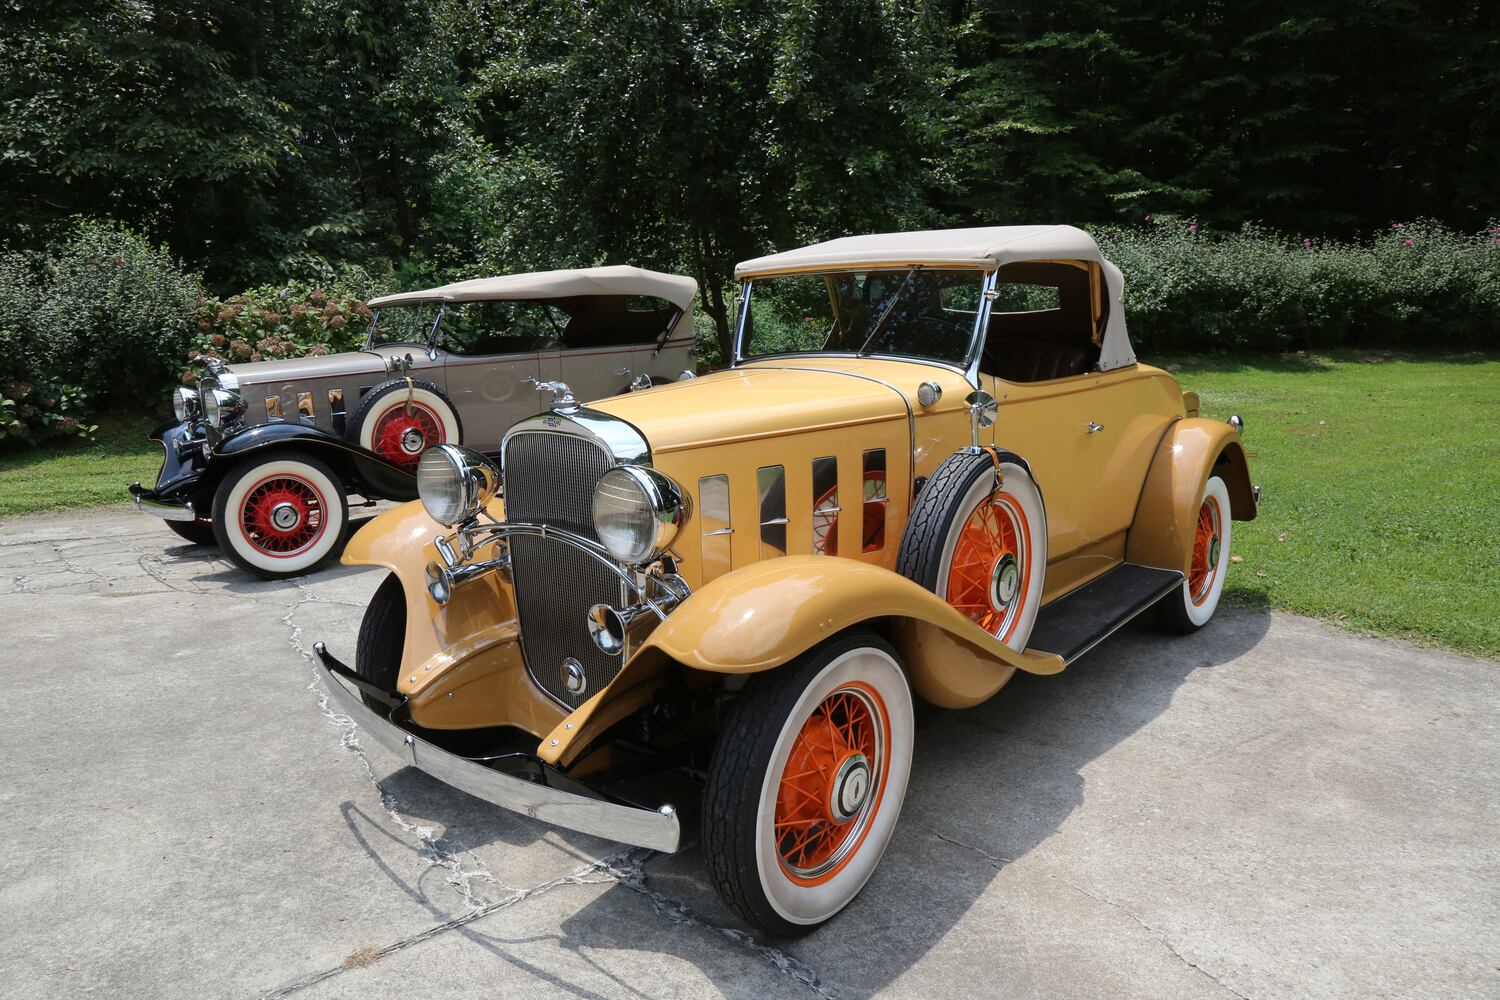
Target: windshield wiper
[[880, 323]]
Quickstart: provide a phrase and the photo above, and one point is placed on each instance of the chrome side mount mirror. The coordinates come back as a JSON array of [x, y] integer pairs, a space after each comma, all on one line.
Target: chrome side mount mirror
[[641, 383], [983, 409]]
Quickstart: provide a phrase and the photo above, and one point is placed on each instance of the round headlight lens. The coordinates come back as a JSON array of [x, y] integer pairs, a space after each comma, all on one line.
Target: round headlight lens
[[637, 512], [185, 403], [454, 482], [220, 407]]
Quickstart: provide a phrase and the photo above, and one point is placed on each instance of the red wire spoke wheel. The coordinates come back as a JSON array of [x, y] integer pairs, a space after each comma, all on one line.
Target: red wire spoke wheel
[[830, 788], [977, 537], [807, 782], [1189, 608], [282, 515], [985, 579], [1205, 560], [403, 432]]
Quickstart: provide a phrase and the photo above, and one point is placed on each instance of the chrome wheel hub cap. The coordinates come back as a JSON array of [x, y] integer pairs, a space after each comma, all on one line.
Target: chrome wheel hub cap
[[1005, 580], [412, 442], [851, 786], [285, 516], [1213, 552]]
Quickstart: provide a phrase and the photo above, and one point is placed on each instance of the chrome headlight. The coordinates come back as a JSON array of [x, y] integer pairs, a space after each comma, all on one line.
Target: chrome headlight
[[455, 482], [221, 407], [637, 512], [185, 402]]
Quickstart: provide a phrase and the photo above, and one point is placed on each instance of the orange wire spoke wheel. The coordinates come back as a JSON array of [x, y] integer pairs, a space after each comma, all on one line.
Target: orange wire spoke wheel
[[282, 515], [988, 577], [831, 788], [826, 517], [1206, 545], [401, 437]]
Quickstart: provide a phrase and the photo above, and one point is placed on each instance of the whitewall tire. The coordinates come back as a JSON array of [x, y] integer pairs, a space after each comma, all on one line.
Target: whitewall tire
[[807, 783], [1189, 608], [980, 546], [280, 514], [398, 422]]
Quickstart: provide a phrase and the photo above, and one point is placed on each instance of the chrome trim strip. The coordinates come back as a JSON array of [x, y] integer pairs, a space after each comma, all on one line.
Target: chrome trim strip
[[657, 829], [619, 438]]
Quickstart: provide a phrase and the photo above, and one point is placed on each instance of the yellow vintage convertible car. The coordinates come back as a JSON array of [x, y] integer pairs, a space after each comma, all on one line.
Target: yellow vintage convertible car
[[933, 460]]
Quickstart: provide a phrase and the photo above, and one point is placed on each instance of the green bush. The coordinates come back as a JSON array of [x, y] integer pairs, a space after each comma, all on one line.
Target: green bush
[[1416, 284], [273, 322]]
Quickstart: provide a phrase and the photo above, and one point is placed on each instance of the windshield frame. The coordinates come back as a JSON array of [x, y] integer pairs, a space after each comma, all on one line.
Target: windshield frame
[[431, 340], [968, 368]]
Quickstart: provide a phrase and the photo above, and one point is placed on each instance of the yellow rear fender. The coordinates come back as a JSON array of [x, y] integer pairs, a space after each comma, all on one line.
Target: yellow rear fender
[[1192, 450]]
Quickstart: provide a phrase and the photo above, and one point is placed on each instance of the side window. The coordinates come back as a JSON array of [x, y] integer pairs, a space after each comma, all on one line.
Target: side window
[[478, 328], [1043, 323], [595, 321]]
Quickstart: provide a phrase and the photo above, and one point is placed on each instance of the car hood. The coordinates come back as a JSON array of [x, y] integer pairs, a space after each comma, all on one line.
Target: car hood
[[326, 366], [767, 399]]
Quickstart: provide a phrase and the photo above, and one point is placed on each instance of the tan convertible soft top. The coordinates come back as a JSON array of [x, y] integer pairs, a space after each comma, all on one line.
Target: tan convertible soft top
[[987, 247], [618, 280]]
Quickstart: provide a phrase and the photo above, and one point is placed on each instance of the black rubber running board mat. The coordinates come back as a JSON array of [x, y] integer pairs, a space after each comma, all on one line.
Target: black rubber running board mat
[[1075, 624]]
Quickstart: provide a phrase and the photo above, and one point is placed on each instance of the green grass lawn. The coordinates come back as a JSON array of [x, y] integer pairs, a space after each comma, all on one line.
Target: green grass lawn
[[80, 473], [1381, 476], [1382, 490]]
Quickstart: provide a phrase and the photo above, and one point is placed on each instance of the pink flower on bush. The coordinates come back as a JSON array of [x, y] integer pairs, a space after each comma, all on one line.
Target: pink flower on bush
[[68, 425], [1398, 225], [338, 321], [1406, 243], [1148, 217], [1193, 228], [1307, 244]]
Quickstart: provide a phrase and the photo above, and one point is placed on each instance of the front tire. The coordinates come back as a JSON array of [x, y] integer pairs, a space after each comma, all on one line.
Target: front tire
[[807, 783], [1189, 608], [280, 514], [382, 636]]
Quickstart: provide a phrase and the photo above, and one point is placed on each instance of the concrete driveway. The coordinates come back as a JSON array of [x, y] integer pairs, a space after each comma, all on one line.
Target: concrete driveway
[[1269, 809]]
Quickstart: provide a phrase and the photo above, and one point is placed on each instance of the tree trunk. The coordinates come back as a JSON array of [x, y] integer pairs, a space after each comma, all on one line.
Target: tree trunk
[[718, 311]]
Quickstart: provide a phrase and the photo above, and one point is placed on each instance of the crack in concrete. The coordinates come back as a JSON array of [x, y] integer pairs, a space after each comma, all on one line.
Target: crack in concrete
[[435, 850], [578, 876], [998, 863]]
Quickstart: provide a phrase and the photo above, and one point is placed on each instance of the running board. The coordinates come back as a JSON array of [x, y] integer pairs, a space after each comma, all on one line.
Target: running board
[[1072, 625]]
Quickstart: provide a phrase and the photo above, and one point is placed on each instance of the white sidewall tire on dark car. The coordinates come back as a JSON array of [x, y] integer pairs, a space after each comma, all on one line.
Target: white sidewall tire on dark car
[[790, 837], [280, 514], [398, 422], [996, 535], [1189, 607]]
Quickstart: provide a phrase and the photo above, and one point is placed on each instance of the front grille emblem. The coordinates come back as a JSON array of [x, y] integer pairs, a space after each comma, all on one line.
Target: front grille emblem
[[552, 421], [572, 676]]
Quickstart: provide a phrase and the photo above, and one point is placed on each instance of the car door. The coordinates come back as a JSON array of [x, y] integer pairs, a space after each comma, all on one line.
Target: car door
[[490, 368]]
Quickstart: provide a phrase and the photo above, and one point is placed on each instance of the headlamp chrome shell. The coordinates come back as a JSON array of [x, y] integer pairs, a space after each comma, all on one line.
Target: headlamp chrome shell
[[637, 512], [221, 407], [454, 483], [184, 402]]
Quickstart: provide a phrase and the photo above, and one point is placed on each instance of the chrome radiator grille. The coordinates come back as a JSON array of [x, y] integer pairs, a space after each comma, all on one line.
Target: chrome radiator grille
[[549, 479]]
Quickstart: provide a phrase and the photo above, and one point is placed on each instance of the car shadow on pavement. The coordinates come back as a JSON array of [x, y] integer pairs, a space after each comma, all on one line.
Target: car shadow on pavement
[[989, 784]]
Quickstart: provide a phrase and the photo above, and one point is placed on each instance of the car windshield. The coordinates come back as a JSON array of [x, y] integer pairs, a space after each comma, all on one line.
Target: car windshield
[[497, 327], [918, 312]]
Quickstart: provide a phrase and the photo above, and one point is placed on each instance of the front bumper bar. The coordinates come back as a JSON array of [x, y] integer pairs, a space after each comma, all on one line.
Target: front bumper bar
[[657, 829], [170, 510]]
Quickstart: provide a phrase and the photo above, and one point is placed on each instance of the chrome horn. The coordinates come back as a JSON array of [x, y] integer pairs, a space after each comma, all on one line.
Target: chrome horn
[[610, 628]]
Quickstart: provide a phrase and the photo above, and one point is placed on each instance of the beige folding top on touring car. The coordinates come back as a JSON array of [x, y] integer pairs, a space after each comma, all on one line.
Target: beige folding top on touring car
[[561, 284]]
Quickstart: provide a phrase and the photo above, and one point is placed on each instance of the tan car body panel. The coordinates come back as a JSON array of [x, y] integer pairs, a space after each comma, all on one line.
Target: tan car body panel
[[464, 667]]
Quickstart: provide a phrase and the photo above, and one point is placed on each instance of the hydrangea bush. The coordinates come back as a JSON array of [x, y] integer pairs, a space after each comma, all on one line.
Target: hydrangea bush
[[274, 322]]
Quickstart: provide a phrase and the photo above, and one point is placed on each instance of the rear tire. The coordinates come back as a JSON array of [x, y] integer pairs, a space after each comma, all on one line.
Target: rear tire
[[194, 532], [1189, 608], [382, 636], [280, 514], [807, 783]]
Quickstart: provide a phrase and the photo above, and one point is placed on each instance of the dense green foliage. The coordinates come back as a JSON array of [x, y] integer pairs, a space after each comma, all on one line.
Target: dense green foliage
[[269, 323], [451, 136]]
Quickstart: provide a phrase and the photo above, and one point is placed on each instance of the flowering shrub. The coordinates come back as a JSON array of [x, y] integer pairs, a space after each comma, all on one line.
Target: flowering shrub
[[34, 412], [1415, 284], [271, 323]]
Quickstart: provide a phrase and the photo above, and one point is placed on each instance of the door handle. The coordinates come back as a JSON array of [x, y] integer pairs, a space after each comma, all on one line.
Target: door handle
[[1093, 428]]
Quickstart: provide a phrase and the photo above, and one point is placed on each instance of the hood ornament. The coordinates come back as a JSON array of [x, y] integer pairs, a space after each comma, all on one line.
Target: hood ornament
[[563, 400]]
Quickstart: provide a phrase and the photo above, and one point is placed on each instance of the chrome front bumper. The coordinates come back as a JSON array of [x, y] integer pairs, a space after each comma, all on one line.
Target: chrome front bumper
[[167, 511], [657, 829]]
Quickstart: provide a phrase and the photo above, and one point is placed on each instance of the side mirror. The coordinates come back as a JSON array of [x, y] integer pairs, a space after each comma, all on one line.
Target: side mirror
[[983, 409]]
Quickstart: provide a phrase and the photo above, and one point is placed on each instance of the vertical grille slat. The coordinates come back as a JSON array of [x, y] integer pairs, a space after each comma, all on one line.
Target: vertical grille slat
[[549, 479]]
